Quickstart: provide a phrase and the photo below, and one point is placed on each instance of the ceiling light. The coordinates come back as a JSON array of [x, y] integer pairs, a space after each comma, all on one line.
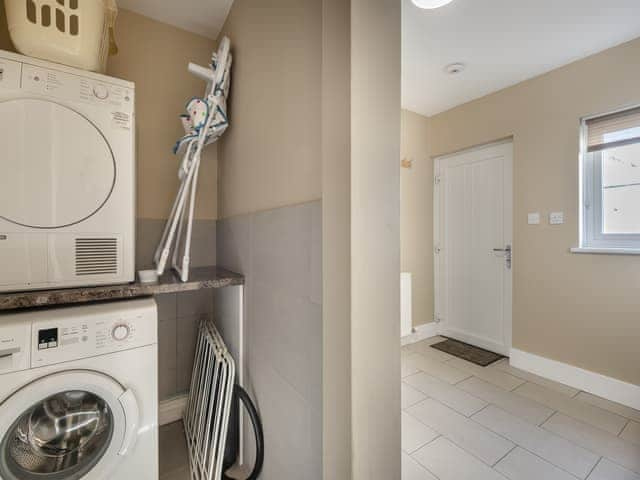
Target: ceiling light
[[431, 4], [454, 68]]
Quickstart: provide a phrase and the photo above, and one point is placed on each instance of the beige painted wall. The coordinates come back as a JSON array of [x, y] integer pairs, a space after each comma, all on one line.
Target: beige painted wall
[[155, 56], [583, 310], [416, 218], [270, 156], [336, 239], [375, 238]]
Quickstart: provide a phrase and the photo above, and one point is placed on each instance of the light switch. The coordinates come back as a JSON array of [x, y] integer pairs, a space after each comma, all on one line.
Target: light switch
[[556, 218], [533, 218]]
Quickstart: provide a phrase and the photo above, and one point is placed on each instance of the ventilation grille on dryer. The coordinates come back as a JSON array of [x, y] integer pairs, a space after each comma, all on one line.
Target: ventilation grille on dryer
[[96, 256]]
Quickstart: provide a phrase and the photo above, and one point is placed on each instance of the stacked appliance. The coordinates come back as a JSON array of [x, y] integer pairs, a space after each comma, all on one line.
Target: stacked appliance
[[67, 182], [71, 405]]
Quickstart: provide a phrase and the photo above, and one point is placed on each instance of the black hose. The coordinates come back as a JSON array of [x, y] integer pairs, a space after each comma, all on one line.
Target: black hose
[[242, 395]]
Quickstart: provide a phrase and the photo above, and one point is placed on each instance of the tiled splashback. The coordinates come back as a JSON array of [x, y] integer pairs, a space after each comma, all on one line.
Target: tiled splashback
[[280, 253], [178, 313], [178, 317], [203, 242]]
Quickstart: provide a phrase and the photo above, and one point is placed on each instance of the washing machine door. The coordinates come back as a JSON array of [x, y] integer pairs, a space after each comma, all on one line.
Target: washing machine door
[[57, 167], [70, 425]]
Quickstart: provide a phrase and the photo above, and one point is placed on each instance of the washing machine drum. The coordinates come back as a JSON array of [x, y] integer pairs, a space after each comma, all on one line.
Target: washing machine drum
[[61, 437], [57, 167]]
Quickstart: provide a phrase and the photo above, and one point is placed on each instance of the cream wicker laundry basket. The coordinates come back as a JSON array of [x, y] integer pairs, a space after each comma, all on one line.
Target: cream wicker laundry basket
[[78, 33]]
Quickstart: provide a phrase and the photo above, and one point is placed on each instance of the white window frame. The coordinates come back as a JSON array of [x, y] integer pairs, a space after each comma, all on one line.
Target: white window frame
[[592, 238]]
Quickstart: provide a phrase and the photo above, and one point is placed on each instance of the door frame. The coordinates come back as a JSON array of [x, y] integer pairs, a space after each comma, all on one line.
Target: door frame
[[439, 269]]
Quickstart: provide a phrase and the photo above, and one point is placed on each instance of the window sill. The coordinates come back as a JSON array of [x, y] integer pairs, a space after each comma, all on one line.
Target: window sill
[[606, 251]]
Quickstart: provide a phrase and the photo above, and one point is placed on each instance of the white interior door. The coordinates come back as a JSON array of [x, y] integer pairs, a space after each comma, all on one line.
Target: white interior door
[[473, 238]]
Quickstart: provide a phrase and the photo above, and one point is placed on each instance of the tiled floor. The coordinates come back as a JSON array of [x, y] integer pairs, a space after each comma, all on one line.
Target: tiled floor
[[461, 421], [174, 460]]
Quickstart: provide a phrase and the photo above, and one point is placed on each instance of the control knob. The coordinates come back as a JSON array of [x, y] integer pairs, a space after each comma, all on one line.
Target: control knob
[[120, 332], [100, 91]]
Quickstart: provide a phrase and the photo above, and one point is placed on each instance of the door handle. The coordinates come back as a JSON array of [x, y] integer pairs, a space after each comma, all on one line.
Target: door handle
[[132, 421], [507, 254], [9, 351]]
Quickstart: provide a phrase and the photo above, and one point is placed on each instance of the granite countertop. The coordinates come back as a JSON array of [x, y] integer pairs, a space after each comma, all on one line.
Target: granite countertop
[[199, 278]]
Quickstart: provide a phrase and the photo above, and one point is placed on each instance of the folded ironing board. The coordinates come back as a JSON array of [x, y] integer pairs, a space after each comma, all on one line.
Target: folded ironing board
[[204, 123]]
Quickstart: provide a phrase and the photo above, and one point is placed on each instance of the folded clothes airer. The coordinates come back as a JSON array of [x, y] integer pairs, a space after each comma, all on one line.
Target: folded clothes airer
[[204, 122]]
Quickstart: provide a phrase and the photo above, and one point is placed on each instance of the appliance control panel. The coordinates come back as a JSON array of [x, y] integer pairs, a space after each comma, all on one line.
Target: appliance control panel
[[84, 331], [31, 339], [65, 86]]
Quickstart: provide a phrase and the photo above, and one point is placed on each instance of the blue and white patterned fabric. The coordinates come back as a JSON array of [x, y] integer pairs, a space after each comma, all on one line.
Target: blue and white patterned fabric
[[198, 110]]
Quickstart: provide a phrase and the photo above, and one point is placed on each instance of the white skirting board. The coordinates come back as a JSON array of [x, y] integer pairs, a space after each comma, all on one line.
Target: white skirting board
[[171, 410], [595, 383], [419, 333]]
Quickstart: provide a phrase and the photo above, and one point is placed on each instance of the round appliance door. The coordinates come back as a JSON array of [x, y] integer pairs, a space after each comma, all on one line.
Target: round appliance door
[[57, 167], [69, 425]]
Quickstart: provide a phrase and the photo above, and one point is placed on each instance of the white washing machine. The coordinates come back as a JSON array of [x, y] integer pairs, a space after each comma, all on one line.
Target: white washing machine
[[67, 176], [78, 393]]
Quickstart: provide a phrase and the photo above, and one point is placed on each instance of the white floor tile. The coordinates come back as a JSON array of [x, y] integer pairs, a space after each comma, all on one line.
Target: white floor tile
[[410, 396], [438, 369], [415, 434], [521, 407], [412, 470], [522, 465], [449, 462], [550, 447], [405, 351], [624, 453], [491, 375], [530, 377], [614, 407], [573, 407], [607, 470], [408, 365], [631, 432], [430, 341], [445, 393], [465, 433]]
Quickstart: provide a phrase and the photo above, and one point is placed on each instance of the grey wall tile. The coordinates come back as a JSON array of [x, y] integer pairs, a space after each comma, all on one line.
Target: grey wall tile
[[195, 302], [167, 306], [233, 243], [149, 231], [316, 253], [284, 331], [167, 359], [281, 249], [176, 341], [287, 425], [315, 461], [203, 243], [280, 254], [186, 336]]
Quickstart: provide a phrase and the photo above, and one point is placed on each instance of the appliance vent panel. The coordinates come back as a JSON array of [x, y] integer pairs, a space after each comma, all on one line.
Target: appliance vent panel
[[96, 256]]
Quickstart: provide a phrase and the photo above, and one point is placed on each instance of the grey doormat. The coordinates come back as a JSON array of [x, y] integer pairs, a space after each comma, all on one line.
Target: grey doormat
[[467, 352]]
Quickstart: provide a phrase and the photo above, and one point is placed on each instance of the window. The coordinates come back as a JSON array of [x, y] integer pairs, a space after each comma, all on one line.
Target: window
[[610, 186]]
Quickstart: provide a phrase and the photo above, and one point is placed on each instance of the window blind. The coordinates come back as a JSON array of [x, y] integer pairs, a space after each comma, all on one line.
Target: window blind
[[614, 130]]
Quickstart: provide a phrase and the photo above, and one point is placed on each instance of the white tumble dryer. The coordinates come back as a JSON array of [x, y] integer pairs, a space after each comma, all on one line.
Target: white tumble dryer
[[78, 393], [67, 176]]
